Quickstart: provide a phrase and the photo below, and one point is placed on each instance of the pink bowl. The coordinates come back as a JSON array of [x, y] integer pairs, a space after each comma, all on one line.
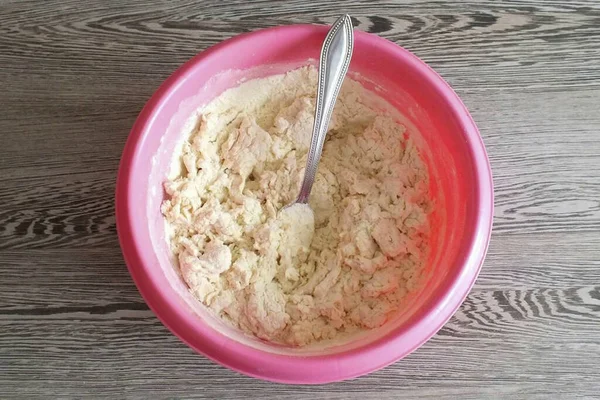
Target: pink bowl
[[461, 184]]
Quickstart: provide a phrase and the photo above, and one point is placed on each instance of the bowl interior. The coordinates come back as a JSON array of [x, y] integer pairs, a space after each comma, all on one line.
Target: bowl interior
[[405, 83]]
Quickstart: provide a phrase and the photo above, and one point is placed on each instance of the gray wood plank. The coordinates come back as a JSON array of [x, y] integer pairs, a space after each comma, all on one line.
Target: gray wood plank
[[75, 74]]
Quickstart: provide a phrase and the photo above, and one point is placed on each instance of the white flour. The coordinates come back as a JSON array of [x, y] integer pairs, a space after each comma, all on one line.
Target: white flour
[[291, 276]]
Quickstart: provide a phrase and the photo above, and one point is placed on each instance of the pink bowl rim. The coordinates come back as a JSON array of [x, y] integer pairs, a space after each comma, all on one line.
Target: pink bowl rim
[[299, 369]]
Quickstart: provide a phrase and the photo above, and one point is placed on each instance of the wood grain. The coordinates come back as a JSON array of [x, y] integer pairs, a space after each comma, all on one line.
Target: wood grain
[[74, 76]]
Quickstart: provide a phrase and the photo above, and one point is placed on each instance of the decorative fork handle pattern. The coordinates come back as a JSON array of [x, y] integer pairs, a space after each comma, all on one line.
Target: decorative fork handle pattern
[[333, 66]]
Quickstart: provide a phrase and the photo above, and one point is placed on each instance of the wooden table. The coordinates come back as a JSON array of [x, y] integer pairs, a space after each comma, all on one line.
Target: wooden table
[[74, 75]]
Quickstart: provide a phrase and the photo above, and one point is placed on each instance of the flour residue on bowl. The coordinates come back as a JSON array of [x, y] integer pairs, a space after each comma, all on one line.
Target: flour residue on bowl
[[286, 278]]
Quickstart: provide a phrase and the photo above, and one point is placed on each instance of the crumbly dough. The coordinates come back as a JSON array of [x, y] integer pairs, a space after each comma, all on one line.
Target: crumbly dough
[[293, 276]]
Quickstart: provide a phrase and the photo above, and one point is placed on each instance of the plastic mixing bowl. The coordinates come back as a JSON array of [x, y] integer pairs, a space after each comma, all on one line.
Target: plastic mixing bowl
[[461, 185]]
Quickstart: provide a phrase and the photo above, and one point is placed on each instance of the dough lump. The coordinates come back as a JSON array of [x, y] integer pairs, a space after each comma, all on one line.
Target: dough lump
[[300, 275]]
